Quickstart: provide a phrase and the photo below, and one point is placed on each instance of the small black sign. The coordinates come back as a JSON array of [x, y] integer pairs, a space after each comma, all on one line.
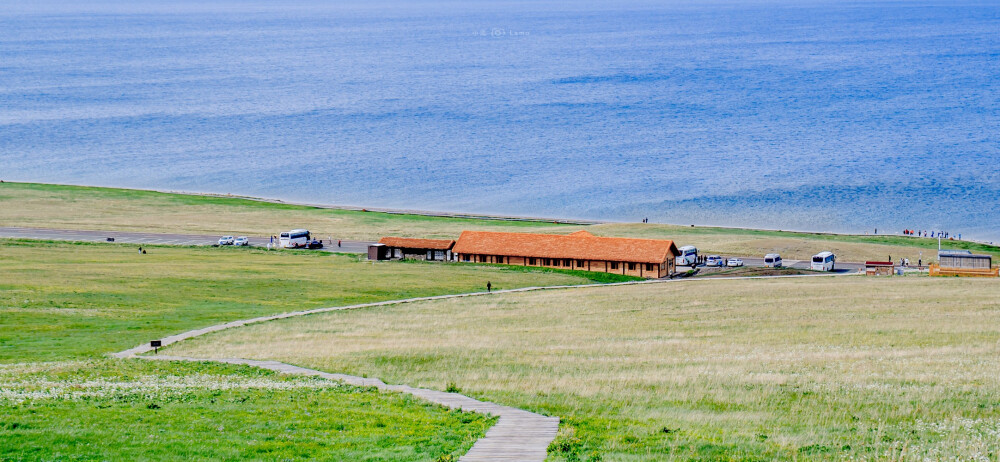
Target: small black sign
[[156, 343]]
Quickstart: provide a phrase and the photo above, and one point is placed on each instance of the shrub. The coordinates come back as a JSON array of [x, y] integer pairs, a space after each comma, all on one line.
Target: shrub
[[567, 445]]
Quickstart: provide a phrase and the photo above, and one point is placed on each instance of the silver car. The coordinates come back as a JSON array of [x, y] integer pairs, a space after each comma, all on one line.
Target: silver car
[[226, 240], [241, 241]]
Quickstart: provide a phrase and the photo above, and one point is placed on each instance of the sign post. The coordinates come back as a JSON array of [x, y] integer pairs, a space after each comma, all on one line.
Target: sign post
[[156, 344]]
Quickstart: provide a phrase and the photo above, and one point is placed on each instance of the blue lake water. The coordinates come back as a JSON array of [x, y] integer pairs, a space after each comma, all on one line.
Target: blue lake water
[[837, 116]]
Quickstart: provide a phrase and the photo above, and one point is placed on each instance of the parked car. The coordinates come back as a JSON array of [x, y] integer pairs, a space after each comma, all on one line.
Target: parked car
[[715, 260], [242, 240], [734, 262], [314, 244], [772, 260], [226, 240]]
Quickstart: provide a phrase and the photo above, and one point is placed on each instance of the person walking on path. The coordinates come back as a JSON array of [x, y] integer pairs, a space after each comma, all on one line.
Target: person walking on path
[[489, 287], [338, 243]]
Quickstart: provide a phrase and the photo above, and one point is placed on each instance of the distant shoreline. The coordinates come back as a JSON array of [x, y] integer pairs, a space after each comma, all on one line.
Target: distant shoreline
[[462, 215], [426, 213]]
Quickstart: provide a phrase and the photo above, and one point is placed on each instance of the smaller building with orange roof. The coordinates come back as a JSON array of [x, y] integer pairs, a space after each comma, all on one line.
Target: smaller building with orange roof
[[417, 249], [648, 258]]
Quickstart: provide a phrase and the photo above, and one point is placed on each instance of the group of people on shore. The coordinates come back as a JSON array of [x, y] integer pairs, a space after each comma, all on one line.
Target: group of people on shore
[[941, 234]]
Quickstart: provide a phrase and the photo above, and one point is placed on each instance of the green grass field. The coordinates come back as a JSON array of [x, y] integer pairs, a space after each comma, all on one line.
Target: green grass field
[[74, 207], [64, 306], [66, 301], [817, 369], [827, 368], [142, 410]]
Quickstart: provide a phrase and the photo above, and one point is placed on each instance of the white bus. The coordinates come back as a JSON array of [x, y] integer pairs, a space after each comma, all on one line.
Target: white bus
[[772, 260], [824, 261], [294, 239], [688, 256]]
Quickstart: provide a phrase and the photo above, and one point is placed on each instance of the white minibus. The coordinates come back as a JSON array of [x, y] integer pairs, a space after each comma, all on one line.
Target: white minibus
[[294, 239], [772, 260], [824, 261], [688, 256]]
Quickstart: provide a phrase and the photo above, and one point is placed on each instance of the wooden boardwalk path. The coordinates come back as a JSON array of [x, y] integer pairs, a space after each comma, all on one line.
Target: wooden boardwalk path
[[145, 348], [518, 434]]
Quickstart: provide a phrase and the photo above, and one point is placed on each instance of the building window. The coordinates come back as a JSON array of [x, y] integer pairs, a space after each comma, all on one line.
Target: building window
[[579, 263], [649, 267], [614, 265], [568, 263], [499, 259], [465, 258], [631, 266], [546, 262], [482, 259], [531, 261]]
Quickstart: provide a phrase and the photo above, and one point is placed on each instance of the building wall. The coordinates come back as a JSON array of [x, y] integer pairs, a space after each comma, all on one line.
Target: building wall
[[418, 254], [956, 261], [638, 269], [378, 252], [878, 271], [409, 254]]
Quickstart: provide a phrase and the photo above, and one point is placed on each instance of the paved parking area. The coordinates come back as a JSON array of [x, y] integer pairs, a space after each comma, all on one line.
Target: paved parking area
[[841, 267], [129, 237]]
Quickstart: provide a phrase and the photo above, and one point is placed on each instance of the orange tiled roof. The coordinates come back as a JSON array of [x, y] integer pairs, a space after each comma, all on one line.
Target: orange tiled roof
[[580, 245], [410, 243]]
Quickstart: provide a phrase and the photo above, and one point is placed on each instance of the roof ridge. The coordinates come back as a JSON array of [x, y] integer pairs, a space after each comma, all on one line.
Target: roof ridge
[[578, 245]]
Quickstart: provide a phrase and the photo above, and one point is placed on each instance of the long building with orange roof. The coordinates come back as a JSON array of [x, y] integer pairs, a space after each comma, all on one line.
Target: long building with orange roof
[[648, 258]]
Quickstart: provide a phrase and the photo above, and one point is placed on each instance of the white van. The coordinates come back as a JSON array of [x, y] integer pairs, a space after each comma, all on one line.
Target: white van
[[294, 239], [824, 261], [772, 260], [688, 256]]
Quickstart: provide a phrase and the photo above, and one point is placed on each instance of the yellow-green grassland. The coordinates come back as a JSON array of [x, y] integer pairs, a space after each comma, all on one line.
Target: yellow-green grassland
[[793, 369]]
